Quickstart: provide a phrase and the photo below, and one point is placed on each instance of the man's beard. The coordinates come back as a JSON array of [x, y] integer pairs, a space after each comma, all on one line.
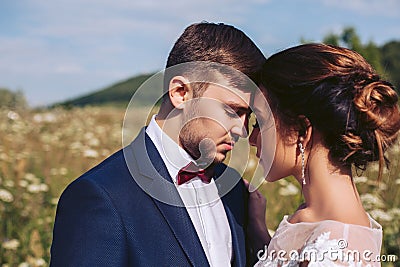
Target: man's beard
[[201, 148]]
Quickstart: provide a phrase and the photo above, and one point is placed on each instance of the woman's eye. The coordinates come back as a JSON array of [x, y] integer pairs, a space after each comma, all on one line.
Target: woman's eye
[[255, 125]]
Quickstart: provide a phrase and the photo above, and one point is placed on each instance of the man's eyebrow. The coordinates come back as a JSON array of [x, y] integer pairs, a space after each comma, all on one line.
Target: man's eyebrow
[[237, 107]]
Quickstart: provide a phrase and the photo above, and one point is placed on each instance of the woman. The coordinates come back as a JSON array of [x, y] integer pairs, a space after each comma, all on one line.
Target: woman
[[332, 112]]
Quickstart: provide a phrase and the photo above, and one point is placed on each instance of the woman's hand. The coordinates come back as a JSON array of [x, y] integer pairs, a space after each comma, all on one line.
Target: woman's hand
[[257, 232]]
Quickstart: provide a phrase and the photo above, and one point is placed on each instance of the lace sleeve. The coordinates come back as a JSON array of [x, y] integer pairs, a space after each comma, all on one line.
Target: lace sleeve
[[325, 251], [336, 244], [330, 244]]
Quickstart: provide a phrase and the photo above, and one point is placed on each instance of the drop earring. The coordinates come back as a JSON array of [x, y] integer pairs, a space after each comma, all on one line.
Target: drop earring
[[302, 150]]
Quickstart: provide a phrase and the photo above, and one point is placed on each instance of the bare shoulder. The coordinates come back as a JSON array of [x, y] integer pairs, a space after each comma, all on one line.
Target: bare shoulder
[[346, 215], [355, 216], [302, 214]]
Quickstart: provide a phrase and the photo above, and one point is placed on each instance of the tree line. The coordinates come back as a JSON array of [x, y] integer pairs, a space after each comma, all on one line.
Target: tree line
[[12, 100]]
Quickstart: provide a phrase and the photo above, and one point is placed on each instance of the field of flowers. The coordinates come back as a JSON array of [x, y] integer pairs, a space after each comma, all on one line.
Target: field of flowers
[[43, 151]]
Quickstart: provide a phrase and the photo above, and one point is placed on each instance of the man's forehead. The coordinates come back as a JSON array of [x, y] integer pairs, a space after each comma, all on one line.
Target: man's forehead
[[228, 95]]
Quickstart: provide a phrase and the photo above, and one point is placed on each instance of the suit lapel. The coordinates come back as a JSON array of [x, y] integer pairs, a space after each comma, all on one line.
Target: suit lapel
[[238, 245], [232, 201], [151, 165]]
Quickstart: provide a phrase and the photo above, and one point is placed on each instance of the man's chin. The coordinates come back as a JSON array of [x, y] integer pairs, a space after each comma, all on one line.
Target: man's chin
[[214, 159], [219, 158]]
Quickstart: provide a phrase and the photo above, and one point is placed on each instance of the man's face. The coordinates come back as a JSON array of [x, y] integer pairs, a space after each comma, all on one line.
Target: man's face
[[214, 122]]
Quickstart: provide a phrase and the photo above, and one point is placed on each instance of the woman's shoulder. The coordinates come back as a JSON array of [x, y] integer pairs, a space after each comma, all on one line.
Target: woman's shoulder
[[346, 216], [315, 238], [355, 234], [334, 220]]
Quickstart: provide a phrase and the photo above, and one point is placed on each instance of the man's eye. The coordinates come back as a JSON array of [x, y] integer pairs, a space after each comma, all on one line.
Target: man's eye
[[231, 113]]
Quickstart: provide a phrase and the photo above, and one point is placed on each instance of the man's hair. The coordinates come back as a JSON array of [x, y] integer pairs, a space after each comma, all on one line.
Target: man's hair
[[217, 43]]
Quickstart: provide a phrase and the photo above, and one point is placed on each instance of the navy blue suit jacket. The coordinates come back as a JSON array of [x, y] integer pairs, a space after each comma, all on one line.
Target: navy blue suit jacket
[[104, 218]]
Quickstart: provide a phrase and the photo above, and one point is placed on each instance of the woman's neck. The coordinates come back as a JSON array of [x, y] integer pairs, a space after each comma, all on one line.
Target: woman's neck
[[330, 193]]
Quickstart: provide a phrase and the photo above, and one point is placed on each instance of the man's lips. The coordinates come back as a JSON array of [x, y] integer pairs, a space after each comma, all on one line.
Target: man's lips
[[228, 145]]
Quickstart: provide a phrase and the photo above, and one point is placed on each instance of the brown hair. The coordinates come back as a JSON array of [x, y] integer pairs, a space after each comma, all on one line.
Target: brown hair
[[218, 43], [342, 96]]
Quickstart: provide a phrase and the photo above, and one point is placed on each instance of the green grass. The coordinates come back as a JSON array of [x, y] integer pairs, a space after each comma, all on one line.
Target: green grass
[[41, 152]]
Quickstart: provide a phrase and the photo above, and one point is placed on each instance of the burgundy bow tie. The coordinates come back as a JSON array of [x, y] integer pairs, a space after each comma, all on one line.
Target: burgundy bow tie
[[190, 171]]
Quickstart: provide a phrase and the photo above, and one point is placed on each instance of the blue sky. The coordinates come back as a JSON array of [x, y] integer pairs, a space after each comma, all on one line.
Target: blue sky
[[59, 49]]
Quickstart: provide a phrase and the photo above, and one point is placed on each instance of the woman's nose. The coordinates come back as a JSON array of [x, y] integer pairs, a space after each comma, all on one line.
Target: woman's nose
[[253, 136]]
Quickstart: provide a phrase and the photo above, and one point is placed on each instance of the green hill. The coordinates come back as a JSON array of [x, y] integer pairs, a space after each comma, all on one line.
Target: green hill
[[117, 94]]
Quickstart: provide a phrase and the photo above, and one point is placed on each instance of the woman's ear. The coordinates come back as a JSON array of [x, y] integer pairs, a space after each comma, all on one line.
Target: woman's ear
[[179, 91], [305, 132]]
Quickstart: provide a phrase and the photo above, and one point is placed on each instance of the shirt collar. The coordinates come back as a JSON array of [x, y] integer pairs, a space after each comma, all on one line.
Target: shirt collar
[[172, 154]]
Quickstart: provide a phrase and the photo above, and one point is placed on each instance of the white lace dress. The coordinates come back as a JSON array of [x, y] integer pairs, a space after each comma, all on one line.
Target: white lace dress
[[324, 243]]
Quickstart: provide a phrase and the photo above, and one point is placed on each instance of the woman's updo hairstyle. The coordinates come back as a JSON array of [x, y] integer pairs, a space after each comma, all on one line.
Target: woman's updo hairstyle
[[342, 96]]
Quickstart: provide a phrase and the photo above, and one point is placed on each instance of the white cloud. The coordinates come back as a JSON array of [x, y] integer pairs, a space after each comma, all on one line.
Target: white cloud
[[23, 55], [95, 17], [69, 36], [68, 69]]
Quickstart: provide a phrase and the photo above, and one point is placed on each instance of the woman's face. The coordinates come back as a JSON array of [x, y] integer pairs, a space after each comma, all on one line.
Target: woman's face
[[276, 151]]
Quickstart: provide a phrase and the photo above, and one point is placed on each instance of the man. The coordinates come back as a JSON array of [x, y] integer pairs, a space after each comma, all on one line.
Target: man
[[159, 202]]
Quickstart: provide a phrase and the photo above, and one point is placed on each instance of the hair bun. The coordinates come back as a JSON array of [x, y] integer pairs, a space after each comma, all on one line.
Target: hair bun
[[376, 103]]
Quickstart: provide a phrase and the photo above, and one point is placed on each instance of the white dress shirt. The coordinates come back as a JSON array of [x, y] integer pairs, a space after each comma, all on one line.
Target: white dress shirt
[[201, 200]]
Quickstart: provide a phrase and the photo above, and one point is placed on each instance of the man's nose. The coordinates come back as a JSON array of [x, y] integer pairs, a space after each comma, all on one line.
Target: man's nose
[[240, 127]]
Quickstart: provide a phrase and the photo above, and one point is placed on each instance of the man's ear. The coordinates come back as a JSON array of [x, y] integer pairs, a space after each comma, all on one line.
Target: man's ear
[[179, 91], [305, 132]]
